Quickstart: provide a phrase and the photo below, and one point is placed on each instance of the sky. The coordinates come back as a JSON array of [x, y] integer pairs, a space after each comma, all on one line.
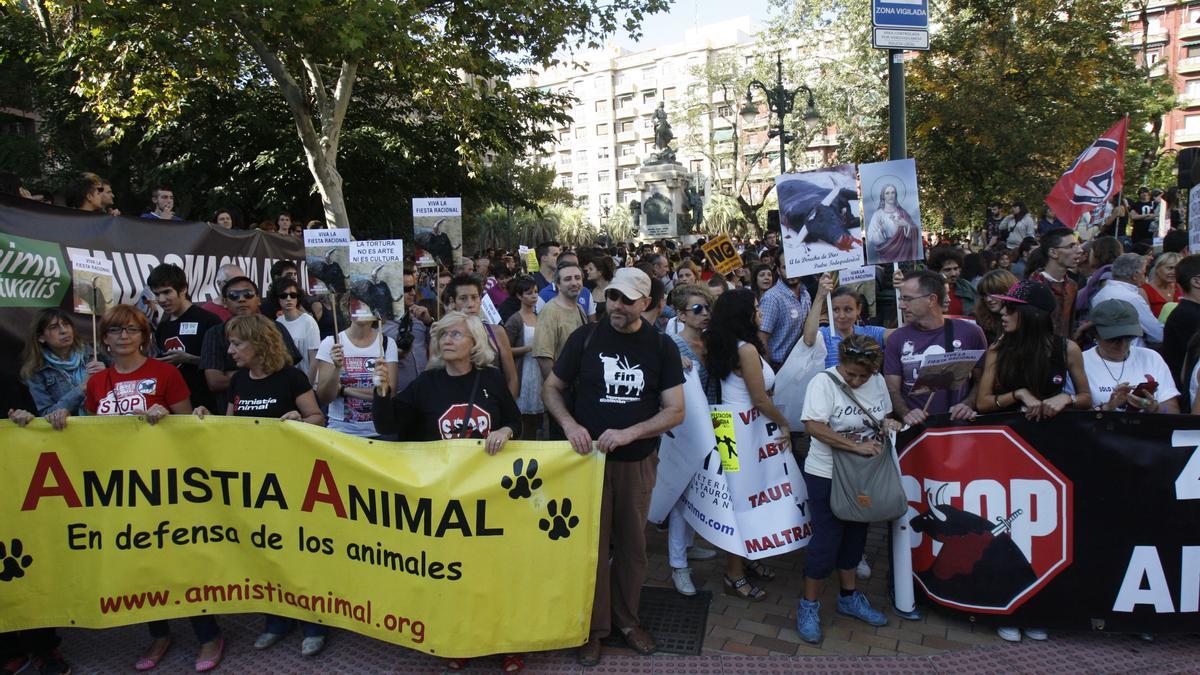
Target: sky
[[661, 29]]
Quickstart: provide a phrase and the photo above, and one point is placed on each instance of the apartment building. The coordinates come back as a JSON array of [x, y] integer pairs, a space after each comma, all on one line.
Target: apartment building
[[1168, 40], [598, 153]]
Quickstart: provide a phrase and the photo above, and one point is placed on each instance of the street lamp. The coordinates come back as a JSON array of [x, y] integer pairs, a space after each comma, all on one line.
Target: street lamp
[[780, 101]]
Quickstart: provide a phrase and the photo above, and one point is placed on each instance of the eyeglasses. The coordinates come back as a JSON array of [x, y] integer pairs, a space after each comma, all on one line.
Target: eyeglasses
[[454, 334], [244, 294], [288, 296], [857, 351], [409, 289], [699, 308], [618, 296], [909, 298], [116, 331], [1072, 245]]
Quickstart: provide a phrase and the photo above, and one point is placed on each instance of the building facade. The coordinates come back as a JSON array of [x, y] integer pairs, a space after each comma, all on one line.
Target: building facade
[[1165, 35]]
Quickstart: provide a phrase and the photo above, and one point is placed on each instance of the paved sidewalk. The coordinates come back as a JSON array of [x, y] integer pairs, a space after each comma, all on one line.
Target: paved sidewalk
[[743, 638]]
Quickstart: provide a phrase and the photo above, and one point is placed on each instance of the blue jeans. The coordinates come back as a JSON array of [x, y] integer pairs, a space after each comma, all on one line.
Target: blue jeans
[[282, 625], [205, 628], [835, 543]]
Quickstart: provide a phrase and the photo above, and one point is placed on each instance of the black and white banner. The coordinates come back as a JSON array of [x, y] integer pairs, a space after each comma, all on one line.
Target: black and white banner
[[1085, 521]]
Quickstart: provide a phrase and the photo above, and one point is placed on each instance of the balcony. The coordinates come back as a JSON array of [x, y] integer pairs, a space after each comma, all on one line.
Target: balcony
[[627, 160], [626, 111], [1158, 70], [627, 136], [1187, 136], [1188, 30], [1187, 101], [1188, 65], [631, 184]]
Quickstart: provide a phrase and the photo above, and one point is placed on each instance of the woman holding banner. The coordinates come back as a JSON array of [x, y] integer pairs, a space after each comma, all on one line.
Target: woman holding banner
[[344, 366], [460, 395], [733, 356], [138, 385], [847, 306], [267, 385], [838, 421], [56, 365]]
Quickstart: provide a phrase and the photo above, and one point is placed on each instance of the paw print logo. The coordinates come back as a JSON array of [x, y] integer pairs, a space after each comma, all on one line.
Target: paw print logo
[[521, 484], [560, 523], [13, 560]]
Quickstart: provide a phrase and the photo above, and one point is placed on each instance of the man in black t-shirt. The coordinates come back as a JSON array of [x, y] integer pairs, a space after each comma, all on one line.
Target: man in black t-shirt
[[628, 389], [1183, 323], [179, 335], [1143, 217]]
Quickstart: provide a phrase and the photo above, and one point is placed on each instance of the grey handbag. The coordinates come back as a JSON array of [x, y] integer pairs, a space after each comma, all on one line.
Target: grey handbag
[[866, 489]]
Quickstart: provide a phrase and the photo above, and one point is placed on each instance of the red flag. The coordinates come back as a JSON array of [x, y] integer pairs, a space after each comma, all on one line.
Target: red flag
[[1094, 177]]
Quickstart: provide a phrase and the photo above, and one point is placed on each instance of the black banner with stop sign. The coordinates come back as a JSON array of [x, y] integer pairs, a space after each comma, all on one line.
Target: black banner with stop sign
[[1085, 521]]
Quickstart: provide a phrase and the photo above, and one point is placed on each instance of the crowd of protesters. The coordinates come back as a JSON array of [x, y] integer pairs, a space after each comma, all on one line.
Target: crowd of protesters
[[1067, 319]]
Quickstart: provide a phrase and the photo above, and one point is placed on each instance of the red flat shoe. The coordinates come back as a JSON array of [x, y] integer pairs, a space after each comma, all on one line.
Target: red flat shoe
[[150, 662], [514, 663], [205, 665], [456, 664]]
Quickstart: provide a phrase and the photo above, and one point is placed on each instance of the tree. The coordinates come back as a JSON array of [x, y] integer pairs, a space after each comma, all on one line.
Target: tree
[[1002, 103], [138, 61], [620, 224]]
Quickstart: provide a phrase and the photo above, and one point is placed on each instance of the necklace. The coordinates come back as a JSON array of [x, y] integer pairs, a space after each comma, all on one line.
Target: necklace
[[1119, 377]]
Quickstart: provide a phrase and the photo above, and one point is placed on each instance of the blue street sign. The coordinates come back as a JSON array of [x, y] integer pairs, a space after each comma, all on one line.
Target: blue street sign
[[900, 13]]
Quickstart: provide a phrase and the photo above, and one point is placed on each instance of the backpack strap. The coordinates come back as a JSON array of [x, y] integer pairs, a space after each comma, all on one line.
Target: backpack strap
[[948, 334]]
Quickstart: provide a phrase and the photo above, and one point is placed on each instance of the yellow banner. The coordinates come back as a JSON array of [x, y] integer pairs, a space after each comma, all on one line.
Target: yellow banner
[[434, 546]]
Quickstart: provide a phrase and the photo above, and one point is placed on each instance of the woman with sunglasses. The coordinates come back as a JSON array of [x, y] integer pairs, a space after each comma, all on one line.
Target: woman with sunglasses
[[138, 385], [847, 308], [345, 369], [299, 324], [734, 357], [460, 395], [694, 306]]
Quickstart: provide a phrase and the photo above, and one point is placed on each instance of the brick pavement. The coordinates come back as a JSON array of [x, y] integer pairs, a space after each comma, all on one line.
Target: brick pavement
[[743, 638]]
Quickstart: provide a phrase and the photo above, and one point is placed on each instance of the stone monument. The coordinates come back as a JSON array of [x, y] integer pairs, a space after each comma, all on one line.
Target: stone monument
[[666, 210]]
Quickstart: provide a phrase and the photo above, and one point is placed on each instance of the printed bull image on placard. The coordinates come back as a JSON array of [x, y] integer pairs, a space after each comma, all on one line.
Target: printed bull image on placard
[[991, 519]]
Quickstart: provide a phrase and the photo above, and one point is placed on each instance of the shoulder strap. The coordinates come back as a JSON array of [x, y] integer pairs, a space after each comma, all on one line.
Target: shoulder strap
[[850, 393], [470, 406], [948, 334]]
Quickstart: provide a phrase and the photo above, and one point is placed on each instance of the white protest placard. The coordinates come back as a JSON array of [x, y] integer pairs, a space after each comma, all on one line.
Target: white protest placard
[[377, 251], [749, 497], [336, 237], [92, 281], [326, 254], [821, 232], [488, 309], [946, 371], [856, 275], [437, 230], [682, 450], [1194, 221]]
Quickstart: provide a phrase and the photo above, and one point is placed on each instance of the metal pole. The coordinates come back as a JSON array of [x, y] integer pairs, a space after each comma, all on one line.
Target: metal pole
[[779, 96], [897, 145]]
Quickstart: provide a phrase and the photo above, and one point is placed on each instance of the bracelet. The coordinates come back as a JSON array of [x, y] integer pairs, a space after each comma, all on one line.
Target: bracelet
[[996, 400]]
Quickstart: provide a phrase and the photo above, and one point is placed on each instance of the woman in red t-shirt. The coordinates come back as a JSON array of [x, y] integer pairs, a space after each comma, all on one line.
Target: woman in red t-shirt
[[138, 385]]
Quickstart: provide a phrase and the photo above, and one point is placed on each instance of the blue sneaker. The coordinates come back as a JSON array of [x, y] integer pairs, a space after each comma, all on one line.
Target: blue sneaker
[[856, 605], [808, 621]]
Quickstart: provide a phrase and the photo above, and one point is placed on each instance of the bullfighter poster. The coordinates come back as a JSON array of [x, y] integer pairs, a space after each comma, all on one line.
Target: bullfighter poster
[[437, 230], [892, 211], [821, 232]]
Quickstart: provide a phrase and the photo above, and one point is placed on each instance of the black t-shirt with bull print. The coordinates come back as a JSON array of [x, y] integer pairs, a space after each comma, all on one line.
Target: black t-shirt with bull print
[[618, 380], [434, 406]]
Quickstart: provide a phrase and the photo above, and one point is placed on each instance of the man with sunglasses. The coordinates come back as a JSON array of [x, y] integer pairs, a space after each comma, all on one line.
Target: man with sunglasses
[[241, 299], [179, 335], [628, 389]]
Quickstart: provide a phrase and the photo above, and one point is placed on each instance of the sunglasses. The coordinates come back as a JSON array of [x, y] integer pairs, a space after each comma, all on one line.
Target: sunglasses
[[857, 351], [409, 289], [699, 308], [618, 296], [288, 296], [244, 294], [128, 330]]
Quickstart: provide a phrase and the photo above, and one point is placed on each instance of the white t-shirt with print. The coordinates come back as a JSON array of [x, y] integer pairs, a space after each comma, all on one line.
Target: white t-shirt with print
[[1104, 376], [353, 416], [305, 334], [825, 402]]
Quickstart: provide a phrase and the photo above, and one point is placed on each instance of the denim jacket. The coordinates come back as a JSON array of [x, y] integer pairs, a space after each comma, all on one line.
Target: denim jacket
[[52, 389]]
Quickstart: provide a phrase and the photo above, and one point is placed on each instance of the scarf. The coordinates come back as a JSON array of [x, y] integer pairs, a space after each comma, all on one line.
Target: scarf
[[74, 367]]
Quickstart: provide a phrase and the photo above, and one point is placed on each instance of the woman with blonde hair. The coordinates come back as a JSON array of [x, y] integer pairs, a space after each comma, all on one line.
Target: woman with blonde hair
[[268, 385], [1161, 287], [460, 395]]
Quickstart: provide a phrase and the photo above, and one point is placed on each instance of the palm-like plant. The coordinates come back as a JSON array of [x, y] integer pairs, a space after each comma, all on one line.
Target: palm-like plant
[[722, 215]]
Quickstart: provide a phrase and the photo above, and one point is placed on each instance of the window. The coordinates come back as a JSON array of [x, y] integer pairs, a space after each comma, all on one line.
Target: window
[[581, 157], [603, 153], [1193, 14], [1152, 56], [622, 78], [1192, 51], [577, 86], [580, 132], [669, 93], [1191, 124], [649, 72], [647, 123], [1191, 88], [582, 180], [564, 159], [602, 106], [605, 200], [725, 111], [648, 96], [598, 82], [648, 148], [1154, 24], [602, 129], [627, 150], [627, 125], [628, 174], [602, 177], [625, 100], [566, 181], [564, 136]]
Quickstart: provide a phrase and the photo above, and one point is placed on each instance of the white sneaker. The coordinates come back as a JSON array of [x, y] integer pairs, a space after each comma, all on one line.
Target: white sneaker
[[863, 571], [1036, 634], [700, 553], [1009, 633], [311, 646], [683, 581]]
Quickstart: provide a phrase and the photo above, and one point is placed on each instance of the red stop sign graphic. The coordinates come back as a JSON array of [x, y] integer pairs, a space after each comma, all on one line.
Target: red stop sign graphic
[[990, 518], [452, 423]]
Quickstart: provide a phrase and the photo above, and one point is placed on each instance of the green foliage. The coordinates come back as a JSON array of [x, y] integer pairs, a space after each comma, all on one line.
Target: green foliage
[[1008, 95]]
